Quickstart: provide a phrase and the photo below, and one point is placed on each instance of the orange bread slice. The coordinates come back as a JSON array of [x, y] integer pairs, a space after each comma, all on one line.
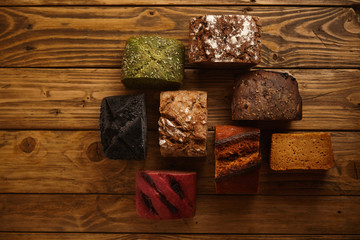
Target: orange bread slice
[[237, 159], [301, 151], [245, 183]]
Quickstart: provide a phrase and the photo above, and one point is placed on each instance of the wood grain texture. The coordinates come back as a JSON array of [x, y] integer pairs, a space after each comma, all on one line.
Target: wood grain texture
[[55, 183], [178, 2], [119, 236], [72, 162], [70, 98], [293, 37], [214, 214]]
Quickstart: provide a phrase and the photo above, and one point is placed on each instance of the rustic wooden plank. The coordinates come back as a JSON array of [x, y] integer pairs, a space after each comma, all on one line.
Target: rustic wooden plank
[[214, 214], [293, 37], [119, 236], [70, 98], [178, 2], [68, 162]]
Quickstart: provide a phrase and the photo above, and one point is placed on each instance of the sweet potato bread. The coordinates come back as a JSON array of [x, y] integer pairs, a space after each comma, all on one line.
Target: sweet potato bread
[[301, 151]]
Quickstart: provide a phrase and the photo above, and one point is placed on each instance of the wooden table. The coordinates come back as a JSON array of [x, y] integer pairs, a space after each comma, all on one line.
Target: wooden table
[[58, 62]]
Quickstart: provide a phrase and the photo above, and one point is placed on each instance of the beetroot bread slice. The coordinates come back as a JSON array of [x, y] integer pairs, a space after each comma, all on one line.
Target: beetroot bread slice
[[165, 194]]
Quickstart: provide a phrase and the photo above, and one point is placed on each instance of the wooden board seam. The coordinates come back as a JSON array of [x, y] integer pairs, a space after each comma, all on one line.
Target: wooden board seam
[[187, 234], [352, 5]]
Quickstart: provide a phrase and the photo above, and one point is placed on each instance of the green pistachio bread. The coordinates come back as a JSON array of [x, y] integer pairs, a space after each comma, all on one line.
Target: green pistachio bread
[[153, 62]]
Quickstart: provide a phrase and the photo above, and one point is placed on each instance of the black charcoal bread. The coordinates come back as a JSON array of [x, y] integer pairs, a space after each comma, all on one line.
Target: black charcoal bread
[[153, 62], [123, 127]]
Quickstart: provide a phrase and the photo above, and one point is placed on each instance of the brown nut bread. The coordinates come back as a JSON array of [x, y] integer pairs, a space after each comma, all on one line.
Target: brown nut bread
[[183, 123], [225, 41], [301, 151], [264, 95], [237, 159]]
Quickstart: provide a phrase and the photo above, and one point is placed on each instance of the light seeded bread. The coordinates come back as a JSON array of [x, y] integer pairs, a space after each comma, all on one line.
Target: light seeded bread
[[183, 123], [301, 151]]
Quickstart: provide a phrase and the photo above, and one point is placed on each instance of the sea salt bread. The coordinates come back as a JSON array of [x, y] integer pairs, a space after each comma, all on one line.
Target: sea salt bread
[[225, 41], [301, 151], [183, 123]]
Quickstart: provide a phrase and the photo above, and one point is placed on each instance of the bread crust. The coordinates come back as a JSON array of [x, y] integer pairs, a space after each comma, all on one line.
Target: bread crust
[[236, 151]]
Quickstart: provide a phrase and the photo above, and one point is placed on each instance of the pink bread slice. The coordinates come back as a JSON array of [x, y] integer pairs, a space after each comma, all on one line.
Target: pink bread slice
[[165, 194]]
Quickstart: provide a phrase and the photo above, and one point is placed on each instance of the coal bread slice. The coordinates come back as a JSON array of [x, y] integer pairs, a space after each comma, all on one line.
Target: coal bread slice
[[123, 127]]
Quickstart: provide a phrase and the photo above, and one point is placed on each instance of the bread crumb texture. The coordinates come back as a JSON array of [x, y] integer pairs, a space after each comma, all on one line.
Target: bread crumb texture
[[301, 151]]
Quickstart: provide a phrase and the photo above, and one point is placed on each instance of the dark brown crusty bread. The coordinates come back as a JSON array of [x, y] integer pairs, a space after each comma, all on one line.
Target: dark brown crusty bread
[[183, 123], [264, 95], [225, 40], [237, 159], [301, 151]]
